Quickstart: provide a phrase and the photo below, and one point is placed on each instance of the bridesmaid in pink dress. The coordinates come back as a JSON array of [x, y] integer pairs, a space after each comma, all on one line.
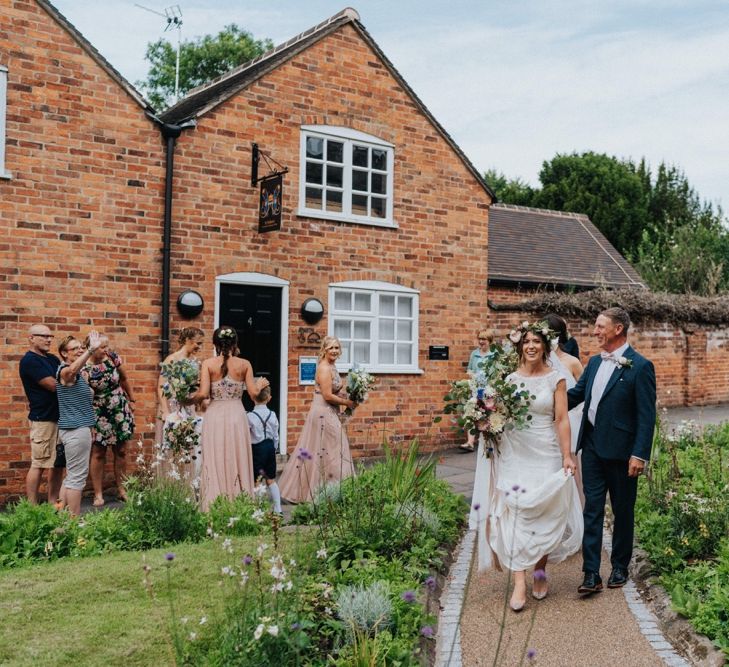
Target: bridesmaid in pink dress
[[227, 463], [322, 453]]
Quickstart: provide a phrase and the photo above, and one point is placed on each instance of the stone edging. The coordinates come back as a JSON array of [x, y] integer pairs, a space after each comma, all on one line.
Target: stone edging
[[448, 640], [699, 650]]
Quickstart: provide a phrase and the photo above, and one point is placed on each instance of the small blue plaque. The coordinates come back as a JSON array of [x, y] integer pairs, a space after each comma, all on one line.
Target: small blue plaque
[[307, 370]]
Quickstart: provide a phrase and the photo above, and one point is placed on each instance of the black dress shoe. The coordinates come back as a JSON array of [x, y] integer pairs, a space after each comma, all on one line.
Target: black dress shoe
[[618, 578], [590, 584]]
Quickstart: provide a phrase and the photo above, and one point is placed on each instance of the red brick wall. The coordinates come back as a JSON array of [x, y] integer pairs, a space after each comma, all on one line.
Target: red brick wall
[[438, 248], [80, 219], [692, 362]]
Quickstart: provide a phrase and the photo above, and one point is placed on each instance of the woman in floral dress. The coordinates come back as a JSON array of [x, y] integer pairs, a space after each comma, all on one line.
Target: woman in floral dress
[[114, 418]]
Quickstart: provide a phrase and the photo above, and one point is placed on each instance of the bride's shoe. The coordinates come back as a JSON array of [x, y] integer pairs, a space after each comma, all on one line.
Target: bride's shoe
[[517, 605], [540, 577], [540, 595]]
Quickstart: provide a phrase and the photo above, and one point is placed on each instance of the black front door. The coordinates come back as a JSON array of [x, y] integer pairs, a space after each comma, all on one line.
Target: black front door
[[255, 313]]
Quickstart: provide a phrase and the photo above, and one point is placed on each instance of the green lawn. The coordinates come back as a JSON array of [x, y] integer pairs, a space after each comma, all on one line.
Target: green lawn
[[98, 611]]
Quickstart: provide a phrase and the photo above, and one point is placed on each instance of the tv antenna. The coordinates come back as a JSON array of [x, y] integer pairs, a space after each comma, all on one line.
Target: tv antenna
[[173, 17]]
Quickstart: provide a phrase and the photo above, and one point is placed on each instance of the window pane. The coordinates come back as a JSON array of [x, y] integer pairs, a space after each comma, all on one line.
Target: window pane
[[387, 353], [405, 306], [387, 304], [361, 331], [343, 300], [342, 329], [360, 155], [379, 159], [404, 354], [315, 147], [313, 173], [334, 176], [379, 183], [379, 207], [346, 353], [359, 180], [361, 353], [404, 330], [313, 198], [387, 329], [359, 204], [335, 151], [362, 302], [334, 201]]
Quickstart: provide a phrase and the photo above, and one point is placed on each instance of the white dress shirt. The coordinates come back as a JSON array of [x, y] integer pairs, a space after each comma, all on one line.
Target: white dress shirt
[[602, 377], [256, 426]]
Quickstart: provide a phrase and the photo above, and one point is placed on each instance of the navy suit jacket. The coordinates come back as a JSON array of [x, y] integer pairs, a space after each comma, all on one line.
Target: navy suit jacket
[[626, 415]]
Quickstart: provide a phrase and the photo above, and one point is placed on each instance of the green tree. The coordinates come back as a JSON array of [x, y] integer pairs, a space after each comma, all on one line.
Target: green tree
[[201, 60], [510, 191]]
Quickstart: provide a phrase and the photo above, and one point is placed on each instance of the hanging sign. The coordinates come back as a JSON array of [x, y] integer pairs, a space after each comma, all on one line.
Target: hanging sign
[[269, 211]]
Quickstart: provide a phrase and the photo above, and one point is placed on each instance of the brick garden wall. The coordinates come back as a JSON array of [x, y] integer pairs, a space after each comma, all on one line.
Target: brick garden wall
[[80, 219], [692, 362]]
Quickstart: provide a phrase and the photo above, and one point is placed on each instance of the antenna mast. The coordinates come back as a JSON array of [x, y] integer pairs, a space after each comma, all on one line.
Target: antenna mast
[[173, 16]]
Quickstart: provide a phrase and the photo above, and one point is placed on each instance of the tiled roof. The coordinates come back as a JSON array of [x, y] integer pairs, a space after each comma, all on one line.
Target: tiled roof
[[537, 246], [91, 50], [206, 97]]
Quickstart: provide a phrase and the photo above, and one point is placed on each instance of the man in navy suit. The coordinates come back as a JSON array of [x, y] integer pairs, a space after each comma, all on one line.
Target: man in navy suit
[[618, 388]]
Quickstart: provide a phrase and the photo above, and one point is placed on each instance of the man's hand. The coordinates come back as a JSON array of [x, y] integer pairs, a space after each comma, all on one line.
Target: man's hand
[[635, 467]]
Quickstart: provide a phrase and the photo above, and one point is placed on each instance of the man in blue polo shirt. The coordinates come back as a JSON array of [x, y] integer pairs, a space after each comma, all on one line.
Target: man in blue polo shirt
[[38, 372]]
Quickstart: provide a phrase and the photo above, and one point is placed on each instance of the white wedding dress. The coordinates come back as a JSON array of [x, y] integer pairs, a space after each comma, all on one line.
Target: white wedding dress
[[532, 508]]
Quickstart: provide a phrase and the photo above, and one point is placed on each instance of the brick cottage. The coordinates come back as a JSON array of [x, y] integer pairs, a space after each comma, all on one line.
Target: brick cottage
[[384, 221]]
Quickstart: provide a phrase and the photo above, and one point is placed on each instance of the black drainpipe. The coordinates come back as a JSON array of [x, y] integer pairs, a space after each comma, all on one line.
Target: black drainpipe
[[170, 133]]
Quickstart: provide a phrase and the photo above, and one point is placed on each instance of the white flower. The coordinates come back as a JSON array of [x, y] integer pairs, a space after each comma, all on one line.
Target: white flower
[[277, 588], [203, 620], [228, 545], [261, 490], [225, 570], [193, 636], [289, 585], [272, 630], [514, 336], [292, 563], [258, 515], [258, 632], [184, 620], [328, 610], [322, 553], [261, 548], [232, 521]]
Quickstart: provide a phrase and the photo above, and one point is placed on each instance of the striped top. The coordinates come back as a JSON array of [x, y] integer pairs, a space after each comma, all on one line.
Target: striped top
[[75, 402]]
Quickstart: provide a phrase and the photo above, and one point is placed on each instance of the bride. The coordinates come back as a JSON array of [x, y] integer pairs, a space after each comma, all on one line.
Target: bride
[[533, 514]]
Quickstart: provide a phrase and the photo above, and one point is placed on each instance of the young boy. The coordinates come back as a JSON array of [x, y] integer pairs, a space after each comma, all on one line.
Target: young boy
[[264, 441]]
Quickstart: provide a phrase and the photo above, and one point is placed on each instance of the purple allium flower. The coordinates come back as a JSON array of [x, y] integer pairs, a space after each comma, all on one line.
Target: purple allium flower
[[409, 596], [427, 631], [430, 583], [477, 507], [540, 575], [247, 559], [170, 556], [515, 488], [532, 653], [295, 626]]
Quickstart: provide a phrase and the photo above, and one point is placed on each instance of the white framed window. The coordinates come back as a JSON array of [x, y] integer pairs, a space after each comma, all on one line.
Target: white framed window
[[377, 324], [345, 175], [3, 105]]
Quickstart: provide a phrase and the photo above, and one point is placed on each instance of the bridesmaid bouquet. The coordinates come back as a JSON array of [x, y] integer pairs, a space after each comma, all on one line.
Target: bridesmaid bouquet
[[486, 402], [182, 436], [358, 385], [182, 379]]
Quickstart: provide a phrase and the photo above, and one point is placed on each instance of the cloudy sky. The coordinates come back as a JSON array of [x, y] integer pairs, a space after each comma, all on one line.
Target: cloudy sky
[[514, 82]]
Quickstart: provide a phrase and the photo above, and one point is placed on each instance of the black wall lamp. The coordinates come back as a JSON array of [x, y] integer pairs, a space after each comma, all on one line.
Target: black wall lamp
[[312, 310], [190, 303]]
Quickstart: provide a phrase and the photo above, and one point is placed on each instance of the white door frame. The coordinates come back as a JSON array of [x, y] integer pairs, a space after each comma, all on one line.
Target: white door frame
[[264, 280]]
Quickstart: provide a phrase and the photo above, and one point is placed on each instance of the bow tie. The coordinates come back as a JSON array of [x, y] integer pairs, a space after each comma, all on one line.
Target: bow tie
[[608, 356]]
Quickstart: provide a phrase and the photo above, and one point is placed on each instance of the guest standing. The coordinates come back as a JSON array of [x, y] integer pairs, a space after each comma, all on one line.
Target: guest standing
[[37, 373], [227, 464], [76, 415], [114, 417], [322, 453], [480, 355]]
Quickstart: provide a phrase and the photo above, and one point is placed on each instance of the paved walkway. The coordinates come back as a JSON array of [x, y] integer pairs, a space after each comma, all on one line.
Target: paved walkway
[[565, 630]]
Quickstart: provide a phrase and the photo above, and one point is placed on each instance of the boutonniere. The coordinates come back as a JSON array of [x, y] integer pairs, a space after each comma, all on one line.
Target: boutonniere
[[624, 362]]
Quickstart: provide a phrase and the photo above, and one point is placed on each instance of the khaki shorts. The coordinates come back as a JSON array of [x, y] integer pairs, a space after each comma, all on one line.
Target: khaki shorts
[[43, 439]]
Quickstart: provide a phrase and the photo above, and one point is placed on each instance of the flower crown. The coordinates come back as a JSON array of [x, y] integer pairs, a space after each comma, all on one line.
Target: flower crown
[[540, 327], [226, 333]]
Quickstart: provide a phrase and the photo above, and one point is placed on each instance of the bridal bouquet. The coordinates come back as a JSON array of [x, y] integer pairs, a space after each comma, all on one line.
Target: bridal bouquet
[[182, 436], [486, 402], [182, 379], [358, 385]]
